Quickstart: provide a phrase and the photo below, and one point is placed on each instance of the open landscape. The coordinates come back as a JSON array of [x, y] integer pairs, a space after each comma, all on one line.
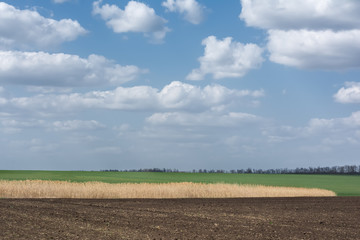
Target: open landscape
[[179, 119], [134, 205]]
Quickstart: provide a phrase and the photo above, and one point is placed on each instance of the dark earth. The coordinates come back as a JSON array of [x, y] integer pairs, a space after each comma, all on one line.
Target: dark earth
[[246, 218]]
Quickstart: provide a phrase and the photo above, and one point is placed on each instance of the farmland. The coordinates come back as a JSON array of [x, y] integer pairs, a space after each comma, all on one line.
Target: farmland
[[342, 185], [240, 218], [192, 218]]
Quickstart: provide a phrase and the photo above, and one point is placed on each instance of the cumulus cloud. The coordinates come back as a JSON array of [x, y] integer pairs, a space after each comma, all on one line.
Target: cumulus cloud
[[136, 17], [349, 94], [301, 14], [175, 96], [315, 49], [178, 95], [208, 118], [27, 29], [226, 59], [306, 34], [44, 69], [191, 9]]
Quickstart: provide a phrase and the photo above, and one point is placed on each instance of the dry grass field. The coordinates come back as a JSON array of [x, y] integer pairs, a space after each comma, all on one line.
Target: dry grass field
[[63, 189]]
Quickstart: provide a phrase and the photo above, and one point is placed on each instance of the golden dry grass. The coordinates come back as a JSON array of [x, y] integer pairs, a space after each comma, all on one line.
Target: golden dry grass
[[62, 189]]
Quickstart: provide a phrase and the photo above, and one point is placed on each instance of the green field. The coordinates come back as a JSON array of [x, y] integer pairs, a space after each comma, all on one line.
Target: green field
[[340, 184]]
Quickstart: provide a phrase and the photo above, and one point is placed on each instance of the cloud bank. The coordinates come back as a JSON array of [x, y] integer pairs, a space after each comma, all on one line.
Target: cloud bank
[[174, 96]]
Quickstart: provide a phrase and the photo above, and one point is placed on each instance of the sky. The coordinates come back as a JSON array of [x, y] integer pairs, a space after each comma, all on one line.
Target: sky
[[180, 84]]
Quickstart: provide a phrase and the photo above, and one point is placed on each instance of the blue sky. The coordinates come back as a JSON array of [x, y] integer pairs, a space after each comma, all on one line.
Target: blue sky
[[113, 84]]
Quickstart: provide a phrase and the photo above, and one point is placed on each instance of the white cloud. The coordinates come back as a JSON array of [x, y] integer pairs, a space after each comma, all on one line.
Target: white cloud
[[61, 1], [73, 125], [27, 29], [44, 69], [334, 132], [308, 34], [301, 14], [333, 137], [8, 122], [136, 17], [226, 59], [175, 96], [3, 101], [203, 133], [315, 49], [326, 130], [353, 121], [191, 9], [11, 126], [209, 119], [178, 95], [350, 94]]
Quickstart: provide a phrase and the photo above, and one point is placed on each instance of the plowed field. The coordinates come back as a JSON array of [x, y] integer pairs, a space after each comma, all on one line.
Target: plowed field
[[243, 218]]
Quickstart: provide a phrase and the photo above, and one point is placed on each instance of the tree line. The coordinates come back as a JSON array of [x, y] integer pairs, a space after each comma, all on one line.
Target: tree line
[[339, 170]]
